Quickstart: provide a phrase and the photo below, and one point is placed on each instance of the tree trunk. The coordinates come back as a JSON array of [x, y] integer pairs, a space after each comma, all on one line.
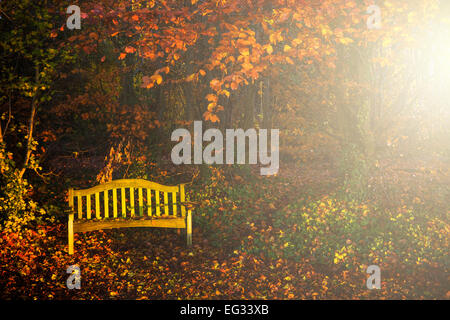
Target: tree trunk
[[31, 125]]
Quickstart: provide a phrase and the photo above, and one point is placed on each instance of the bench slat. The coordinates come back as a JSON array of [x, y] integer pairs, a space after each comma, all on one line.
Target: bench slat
[[133, 211], [174, 203], [126, 183], [124, 208], [97, 205], [114, 203], [84, 226], [166, 203], [80, 204], [149, 202], [88, 206], [182, 199], [106, 203], [141, 202], [158, 208]]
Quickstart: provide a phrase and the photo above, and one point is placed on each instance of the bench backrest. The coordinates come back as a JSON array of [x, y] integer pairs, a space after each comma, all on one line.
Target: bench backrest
[[128, 198]]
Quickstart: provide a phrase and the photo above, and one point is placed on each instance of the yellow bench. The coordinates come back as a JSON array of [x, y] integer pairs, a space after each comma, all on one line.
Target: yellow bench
[[157, 206]]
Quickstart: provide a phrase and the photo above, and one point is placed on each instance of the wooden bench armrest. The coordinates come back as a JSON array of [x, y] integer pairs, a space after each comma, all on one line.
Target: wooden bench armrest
[[189, 204], [68, 211]]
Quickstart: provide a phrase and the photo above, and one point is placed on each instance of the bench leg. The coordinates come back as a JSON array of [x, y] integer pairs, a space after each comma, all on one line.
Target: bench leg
[[70, 233], [189, 228]]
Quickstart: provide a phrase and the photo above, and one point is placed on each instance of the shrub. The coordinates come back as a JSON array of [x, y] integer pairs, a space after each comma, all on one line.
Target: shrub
[[17, 209]]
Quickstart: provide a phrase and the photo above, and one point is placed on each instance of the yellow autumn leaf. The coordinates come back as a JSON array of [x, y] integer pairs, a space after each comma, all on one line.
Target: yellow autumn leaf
[[273, 38], [296, 42], [211, 106], [245, 52], [346, 41], [289, 60], [225, 92], [190, 77]]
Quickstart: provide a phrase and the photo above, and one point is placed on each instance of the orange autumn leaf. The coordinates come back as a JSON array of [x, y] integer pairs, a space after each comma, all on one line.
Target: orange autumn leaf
[[212, 97], [215, 84], [158, 78], [211, 117]]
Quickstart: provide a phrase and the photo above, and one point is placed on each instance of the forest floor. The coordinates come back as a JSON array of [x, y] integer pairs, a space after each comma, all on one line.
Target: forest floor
[[290, 239]]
